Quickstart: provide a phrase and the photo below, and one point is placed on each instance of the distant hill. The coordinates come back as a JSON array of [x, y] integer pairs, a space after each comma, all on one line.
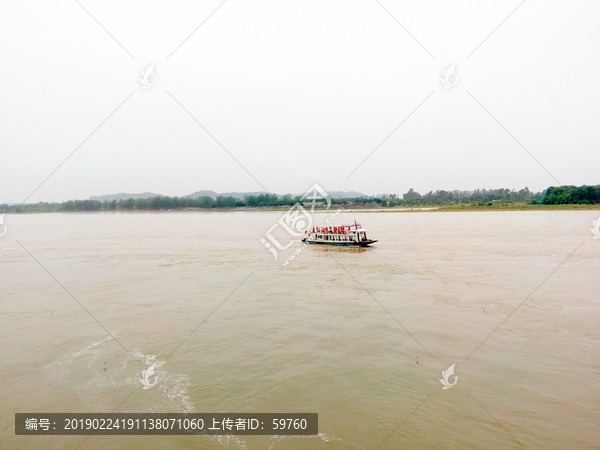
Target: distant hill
[[124, 196], [213, 195], [199, 194], [241, 194], [344, 194]]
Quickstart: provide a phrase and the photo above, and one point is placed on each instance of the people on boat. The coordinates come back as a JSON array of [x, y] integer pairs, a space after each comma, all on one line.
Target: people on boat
[[343, 229]]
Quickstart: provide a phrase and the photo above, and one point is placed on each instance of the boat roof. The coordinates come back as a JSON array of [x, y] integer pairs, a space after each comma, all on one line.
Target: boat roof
[[352, 230]]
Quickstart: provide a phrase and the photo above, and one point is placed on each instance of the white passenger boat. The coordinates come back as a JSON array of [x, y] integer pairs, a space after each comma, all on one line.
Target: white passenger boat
[[344, 235]]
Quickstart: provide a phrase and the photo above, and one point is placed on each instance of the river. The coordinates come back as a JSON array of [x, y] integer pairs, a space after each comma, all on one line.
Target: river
[[359, 336]]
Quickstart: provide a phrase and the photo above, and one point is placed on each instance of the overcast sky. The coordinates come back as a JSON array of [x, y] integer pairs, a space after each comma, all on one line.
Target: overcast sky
[[298, 93]]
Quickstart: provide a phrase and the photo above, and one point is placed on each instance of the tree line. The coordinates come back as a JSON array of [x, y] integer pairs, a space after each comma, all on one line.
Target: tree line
[[552, 195], [582, 195]]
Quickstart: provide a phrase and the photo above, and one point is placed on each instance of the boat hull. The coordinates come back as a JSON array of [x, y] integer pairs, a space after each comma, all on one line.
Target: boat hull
[[341, 244]]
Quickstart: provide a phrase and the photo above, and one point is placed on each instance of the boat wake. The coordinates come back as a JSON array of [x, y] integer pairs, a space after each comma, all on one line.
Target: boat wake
[[239, 444], [96, 379], [320, 437], [173, 388]]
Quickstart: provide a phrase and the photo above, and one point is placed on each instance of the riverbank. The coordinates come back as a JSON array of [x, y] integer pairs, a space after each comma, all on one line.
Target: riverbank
[[477, 207], [351, 208]]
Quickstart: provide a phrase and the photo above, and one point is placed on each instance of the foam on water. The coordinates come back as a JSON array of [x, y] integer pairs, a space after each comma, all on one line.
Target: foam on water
[[91, 386], [173, 387], [227, 441], [323, 437], [63, 367]]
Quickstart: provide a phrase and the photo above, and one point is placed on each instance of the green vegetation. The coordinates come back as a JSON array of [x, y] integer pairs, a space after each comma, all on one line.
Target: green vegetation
[[480, 196], [584, 195], [504, 199], [155, 203]]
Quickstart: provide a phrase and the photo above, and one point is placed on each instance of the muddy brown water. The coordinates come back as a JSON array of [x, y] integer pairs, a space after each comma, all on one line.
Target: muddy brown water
[[359, 336]]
